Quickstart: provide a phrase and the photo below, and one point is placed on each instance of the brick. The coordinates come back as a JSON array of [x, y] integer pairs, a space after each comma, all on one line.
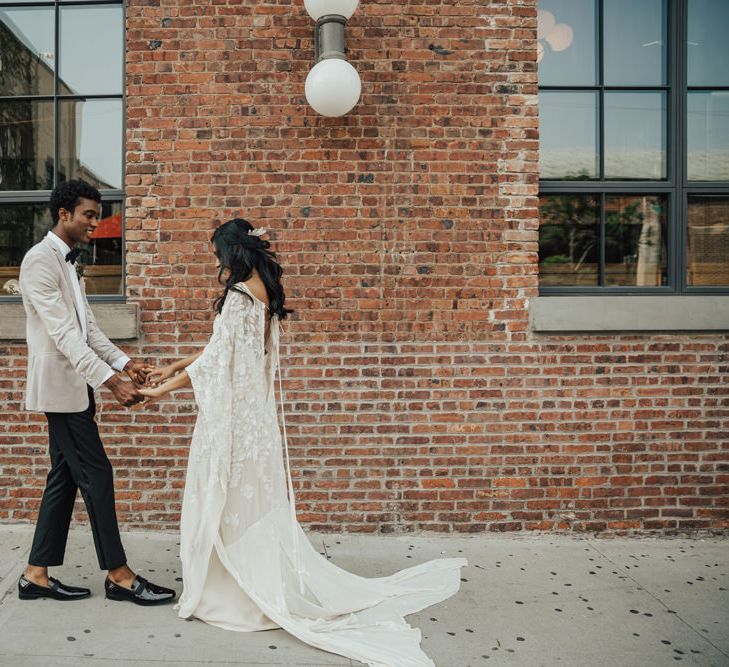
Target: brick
[[417, 397]]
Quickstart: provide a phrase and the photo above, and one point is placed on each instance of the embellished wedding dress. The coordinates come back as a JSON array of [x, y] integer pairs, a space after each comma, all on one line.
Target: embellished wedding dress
[[246, 563]]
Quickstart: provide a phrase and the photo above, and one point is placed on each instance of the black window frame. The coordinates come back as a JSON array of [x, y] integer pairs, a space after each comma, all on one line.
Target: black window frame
[[43, 196], [675, 187]]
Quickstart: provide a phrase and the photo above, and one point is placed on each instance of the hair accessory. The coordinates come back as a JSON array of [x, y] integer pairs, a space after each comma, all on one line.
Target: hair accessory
[[257, 232]]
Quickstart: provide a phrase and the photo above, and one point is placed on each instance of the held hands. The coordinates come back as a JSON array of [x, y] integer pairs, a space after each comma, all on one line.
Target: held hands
[[151, 393], [125, 392], [128, 393], [152, 383], [138, 371], [179, 381], [155, 380], [159, 375]]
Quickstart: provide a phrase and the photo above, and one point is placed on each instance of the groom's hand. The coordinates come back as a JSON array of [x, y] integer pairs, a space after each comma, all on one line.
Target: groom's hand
[[124, 392], [138, 371]]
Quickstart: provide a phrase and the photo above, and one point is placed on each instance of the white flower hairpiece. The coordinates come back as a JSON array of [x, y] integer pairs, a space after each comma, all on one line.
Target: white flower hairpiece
[[257, 232]]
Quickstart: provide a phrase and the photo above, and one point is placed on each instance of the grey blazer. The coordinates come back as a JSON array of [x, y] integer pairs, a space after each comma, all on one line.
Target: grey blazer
[[60, 362]]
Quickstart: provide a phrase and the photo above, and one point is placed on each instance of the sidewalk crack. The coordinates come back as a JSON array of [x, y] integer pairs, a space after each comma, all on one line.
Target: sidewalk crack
[[657, 599]]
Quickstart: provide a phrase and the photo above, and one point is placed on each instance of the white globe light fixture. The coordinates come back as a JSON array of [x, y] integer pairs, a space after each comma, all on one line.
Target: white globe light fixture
[[319, 8], [332, 86], [545, 23], [560, 37]]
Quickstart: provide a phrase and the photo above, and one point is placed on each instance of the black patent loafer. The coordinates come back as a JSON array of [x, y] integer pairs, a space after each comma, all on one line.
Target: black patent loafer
[[27, 590], [142, 592]]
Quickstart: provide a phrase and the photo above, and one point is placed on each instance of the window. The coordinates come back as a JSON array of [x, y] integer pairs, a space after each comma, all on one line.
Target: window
[[634, 146], [61, 117]]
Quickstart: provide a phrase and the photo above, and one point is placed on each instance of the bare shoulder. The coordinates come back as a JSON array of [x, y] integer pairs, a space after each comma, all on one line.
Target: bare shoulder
[[257, 289]]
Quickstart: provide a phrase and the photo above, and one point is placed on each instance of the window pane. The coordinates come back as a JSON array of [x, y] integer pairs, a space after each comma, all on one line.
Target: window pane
[[708, 136], [568, 135], [569, 240], [21, 226], [567, 42], [708, 240], [635, 42], [91, 45], [26, 145], [27, 52], [103, 262], [635, 135], [91, 142], [635, 240], [708, 53]]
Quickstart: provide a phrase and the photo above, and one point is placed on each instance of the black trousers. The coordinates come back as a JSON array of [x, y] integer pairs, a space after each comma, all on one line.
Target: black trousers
[[78, 461]]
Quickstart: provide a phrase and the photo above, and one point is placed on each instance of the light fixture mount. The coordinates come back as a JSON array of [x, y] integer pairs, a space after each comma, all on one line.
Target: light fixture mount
[[329, 37], [332, 87]]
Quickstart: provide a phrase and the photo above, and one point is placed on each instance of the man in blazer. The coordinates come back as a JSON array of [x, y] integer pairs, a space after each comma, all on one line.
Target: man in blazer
[[69, 357]]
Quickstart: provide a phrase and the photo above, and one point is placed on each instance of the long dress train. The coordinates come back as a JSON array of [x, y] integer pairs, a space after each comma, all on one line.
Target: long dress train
[[246, 563]]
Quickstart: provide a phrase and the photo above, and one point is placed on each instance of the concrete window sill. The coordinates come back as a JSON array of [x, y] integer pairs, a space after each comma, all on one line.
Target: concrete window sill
[[119, 321], [600, 314]]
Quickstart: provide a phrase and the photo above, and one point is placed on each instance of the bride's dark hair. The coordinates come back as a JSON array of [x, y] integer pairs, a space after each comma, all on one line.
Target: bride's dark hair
[[241, 252]]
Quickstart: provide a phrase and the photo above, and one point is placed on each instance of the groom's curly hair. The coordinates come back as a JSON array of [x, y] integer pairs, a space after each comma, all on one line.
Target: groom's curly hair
[[67, 195]]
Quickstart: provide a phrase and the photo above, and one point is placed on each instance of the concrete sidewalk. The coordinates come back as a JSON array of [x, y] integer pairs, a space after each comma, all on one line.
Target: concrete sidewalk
[[531, 600]]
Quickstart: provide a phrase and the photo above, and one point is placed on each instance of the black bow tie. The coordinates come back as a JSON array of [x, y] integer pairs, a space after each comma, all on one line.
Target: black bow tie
[[72, 256]]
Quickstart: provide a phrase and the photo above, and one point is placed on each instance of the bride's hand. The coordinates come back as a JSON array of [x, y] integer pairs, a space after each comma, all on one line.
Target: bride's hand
[[151, 393], [160, 375]]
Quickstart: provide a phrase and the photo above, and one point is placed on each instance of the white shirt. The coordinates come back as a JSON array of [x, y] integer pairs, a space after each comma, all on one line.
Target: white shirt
[[122, 361]]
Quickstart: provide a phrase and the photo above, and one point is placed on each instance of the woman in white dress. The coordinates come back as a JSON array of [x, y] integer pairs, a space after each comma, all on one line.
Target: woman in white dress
[[246, 563]]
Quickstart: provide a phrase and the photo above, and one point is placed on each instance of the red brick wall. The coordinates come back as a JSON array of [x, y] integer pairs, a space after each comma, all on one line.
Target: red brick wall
[[417, 396]]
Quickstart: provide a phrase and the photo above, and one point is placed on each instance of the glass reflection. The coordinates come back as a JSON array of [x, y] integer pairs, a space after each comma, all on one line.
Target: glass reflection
[[568, 147], [91, 142], [26, 145], [21, 226], [27, 51], [24, 225], [635, 135], [634, 48], [567, 39], [635, 240], [91, 44], [708, 241], [103, 259], [707, 127], [708, 53], [569, 240]]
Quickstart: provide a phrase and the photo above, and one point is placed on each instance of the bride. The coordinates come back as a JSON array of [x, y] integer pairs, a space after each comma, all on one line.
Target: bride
[[246, 563]]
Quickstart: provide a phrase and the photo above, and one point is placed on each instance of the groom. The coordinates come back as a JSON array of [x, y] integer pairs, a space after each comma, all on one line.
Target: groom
[[69, 357]]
